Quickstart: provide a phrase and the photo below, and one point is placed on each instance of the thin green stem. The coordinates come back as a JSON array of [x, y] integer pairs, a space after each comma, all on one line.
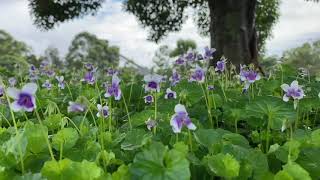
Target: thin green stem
[[61, 151], [91, 113], [190, 140], [297, 120], [131, 86], [17, 134], [223, 92], [289, 154], [73, 124], [110, 116], [155, 113], [126, 107], [69, 90], [8, 122], [44, 135], [236, 125], [268, 134], [208, 106]]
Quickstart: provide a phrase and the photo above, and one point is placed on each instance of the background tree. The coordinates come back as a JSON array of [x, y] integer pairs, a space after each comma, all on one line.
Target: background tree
[[183, 46], [87, 48], [161, 58], [12, 53], [48, 13], [306, 56], [51, 54], [237, 28]]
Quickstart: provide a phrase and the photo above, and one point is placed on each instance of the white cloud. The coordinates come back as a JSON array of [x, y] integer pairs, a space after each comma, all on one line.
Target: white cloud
[[297, 23]]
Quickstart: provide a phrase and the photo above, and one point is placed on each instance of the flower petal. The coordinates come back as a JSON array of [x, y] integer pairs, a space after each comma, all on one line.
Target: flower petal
[[118, 97], [191, 126], [147, 78], [115, 79], [30, 88], [15, 106], [174, 95], [294, 84], [107, 95], [285, 98], [258, 77], [285, 87], [99, 107], [175, 126], [13, 92], [179, 108]]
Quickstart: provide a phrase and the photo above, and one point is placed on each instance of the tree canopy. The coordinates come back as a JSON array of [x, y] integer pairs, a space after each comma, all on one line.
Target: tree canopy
[[238, 29], [12, 52], [86, 47], [306, 56], [182, 47], [160, 16]]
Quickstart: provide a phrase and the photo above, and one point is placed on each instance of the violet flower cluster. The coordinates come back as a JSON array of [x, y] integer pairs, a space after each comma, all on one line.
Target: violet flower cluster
[[192, 56]]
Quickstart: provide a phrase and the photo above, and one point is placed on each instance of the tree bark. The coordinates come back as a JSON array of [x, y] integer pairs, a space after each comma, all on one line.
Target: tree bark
[[233, 31]]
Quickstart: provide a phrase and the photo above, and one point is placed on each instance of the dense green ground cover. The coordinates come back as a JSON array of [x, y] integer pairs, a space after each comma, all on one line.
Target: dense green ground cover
[[213, 123]]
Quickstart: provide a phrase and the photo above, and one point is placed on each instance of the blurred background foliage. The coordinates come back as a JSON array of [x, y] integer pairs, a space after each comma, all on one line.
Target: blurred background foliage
[[87, 48]]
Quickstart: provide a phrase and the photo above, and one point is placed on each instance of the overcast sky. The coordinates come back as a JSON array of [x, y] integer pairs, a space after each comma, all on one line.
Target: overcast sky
[[299, 22]]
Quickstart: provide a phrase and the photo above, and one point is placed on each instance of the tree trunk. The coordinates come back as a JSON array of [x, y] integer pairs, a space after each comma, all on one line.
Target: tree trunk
[[233, 31]]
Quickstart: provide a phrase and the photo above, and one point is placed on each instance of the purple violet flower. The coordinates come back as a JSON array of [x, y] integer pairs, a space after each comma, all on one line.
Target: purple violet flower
[[221, 65], [50, 73], [148, 99], [114, 89], [211, 87], [12, 81], [293, 91], [181, 118], [198, 75], [32, 69], [180, 60], [33, 77], [151, 124], [208, 53], [152, 82], [76, 107], [111, 72], [199, 57], [248, 76], [44, 64], [190, 56], [45, 68], [89, 66], [102, 111], [170, 94], [89, 77], [61, 83], [47, 85], [33, 73], [24, 99], [175, 78], [1, 91]]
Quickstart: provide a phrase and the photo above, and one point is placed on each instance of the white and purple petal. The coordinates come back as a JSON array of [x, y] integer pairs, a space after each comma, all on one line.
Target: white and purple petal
[[30, 88]]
